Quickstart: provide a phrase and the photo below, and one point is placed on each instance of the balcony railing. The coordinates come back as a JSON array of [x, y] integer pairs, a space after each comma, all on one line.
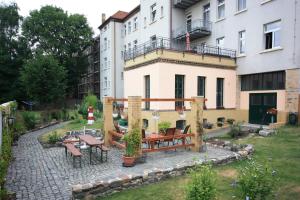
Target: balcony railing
[[163, 43], [184, 4], [197, 28]]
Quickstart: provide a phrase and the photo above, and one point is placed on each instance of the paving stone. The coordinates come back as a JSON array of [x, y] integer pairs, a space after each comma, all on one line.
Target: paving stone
[[38, 173]]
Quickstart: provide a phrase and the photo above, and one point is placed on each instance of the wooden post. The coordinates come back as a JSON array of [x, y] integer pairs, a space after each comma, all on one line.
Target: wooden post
[[135, 115], [197, 119], [134, 112], [107, 119]]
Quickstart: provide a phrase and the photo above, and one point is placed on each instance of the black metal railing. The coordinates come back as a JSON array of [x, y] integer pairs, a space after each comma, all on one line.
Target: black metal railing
[[164, 43], [195, 26]]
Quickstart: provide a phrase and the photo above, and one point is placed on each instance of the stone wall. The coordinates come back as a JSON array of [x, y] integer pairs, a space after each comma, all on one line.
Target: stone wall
[[292, 89], [105, 188]]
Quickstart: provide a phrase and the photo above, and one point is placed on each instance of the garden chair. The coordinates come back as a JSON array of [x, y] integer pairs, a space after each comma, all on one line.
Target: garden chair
[[170, 132]]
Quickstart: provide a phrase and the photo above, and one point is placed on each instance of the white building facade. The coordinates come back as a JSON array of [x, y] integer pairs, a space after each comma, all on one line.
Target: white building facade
[[264, 33]]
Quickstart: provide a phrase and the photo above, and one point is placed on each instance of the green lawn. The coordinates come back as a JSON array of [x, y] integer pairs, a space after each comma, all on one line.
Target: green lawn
[[73, 125], [282, 150]]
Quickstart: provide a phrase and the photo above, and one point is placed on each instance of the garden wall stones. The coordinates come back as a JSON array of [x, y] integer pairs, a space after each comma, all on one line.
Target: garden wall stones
[[106, 187]]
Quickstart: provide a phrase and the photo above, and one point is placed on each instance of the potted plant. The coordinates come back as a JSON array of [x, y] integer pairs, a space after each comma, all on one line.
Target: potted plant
[[132, 147]]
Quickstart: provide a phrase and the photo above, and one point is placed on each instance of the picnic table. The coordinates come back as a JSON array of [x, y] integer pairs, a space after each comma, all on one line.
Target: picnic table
[[92, 142]]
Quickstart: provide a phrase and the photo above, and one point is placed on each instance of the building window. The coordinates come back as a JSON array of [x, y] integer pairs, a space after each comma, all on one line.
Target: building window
[[272, 35], [105, 82], [201, 86], [221, 9], [129, 27], [241, 5], [135, 23], [125, 30], [206, 15], [263, 81], [129, 47], [153, 41], [220, 42], [145, 123], [179, 90], [242, 42], [105, 62], [153, 12], [135, 42], [147, 92], [180, 124], [189, 23], [105, 43], [145, 22], [220, 92], [161, 11]]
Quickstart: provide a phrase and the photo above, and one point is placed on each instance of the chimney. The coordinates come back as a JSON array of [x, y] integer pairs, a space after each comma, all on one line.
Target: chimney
[[103, 17]]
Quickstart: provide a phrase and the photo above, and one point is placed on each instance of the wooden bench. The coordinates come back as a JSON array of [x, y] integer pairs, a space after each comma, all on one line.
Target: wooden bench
[[103, 149], [75, 153]]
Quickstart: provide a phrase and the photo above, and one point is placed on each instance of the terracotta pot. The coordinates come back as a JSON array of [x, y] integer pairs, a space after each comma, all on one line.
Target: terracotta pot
[[128, 161]]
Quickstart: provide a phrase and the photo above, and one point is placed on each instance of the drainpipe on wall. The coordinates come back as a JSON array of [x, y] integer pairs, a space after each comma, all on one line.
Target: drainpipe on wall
[[171, 20], [115, 67], [295, 34]]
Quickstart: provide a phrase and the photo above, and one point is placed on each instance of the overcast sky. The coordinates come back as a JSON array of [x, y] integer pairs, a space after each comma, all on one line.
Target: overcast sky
[[92, 9]]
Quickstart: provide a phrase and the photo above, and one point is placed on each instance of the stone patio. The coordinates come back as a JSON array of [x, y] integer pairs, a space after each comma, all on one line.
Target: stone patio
[[38, 173]]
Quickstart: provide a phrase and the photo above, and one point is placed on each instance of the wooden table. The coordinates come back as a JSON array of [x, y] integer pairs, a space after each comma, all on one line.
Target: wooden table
[[154, 137], [92, 142]]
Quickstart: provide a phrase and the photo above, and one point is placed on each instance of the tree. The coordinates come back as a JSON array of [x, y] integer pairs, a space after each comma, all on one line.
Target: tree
[[44, 79], [51, 30], [13, 50]]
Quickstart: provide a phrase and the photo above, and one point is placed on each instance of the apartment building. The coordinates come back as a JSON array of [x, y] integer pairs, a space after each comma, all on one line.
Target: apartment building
[[90, 80], [241, 55], [111, 55]]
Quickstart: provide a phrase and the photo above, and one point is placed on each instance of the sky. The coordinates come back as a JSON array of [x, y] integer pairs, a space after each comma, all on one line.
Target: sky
[[92, 9]]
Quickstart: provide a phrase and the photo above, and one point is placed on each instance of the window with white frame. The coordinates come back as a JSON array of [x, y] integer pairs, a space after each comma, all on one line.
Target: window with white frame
[[242, 42], [241, 5], [161, 11], [272, 35], [220, 42], [153, 12], [105, 62], [105, 43], [125, 29], [135, 42], [105, 82], [135, 23], [145, 22], [221, 9], [129, 47], [129, 27]]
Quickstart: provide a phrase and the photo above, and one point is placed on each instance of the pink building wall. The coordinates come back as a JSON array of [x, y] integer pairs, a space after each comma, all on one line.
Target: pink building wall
[[162, 83]]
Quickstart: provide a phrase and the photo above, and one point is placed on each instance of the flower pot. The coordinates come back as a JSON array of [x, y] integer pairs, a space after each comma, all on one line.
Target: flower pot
[[128, 161]]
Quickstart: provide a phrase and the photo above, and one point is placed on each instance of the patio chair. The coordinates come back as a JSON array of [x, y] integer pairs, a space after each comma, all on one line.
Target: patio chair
[[185, 131], [144, 137], [170, 132], [118, 130]]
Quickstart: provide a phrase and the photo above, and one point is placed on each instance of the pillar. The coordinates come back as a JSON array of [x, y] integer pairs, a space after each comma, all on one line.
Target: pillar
[[108, 124], [197, 122], [134, 112]]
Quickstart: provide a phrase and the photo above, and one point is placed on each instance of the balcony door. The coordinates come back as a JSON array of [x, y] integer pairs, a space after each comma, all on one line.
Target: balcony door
[[189, 23], [206, 15]]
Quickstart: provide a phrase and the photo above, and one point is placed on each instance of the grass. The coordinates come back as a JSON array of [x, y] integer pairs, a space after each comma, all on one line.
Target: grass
[[73, 125], [281, 150]]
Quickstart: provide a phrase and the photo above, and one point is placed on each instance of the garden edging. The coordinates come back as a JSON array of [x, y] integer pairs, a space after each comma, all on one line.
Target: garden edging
[[104, 188]]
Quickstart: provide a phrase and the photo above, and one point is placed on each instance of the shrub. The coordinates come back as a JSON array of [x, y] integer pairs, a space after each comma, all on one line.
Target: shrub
[[202, 185], [235, 130], [256, 181], [53, 138], [163, 126], [30, 120], [5, 155]]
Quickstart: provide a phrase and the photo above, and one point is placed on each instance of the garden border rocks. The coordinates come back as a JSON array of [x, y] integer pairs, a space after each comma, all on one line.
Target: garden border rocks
[[106, 187]]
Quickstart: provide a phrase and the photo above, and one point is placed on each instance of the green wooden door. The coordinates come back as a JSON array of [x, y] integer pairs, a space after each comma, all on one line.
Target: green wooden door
[[260, 103]]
